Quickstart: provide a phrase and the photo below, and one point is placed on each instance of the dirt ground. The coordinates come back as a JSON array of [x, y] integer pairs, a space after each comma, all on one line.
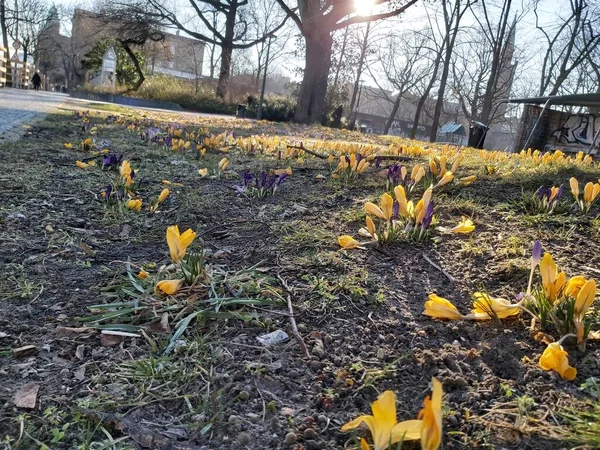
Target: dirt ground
[[359, 312]]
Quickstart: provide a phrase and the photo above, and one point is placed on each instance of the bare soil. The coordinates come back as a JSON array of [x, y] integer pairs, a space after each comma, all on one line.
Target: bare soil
[[359, 312]]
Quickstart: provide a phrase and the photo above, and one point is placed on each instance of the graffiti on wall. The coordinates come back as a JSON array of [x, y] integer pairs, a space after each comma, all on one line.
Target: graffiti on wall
[[576, 130]]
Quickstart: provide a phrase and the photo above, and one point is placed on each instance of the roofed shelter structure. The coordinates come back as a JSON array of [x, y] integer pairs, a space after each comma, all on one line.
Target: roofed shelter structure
[[543, 127]]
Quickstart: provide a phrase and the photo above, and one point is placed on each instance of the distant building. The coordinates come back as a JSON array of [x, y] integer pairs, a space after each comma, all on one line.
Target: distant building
[[60, 58]]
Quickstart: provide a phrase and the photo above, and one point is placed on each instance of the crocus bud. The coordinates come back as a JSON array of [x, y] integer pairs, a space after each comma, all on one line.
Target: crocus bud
[[536, 255]]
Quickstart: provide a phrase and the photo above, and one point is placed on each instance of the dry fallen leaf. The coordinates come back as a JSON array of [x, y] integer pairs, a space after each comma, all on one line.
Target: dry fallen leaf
[[26, 397]]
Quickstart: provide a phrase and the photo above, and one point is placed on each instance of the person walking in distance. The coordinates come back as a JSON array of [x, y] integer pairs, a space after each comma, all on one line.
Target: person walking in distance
[[36, 80]]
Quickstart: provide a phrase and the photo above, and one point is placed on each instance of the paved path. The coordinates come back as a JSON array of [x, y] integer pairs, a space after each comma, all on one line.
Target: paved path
[[18, 107]]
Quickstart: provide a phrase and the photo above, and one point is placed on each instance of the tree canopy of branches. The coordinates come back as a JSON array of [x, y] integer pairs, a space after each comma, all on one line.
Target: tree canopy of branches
[[131, 27], [126, 72], [317, 20], [224, 24], [570, 43]]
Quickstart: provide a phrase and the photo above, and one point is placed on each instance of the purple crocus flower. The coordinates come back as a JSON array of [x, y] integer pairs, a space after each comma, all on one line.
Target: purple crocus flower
[[111, 160], [428, 217], [395, 210], [541, 192], [394, 175], [536, 255], [107, 192], [280, 179]]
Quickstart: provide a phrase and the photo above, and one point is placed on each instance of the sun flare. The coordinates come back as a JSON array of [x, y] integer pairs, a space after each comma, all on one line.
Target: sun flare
[[364, 7]]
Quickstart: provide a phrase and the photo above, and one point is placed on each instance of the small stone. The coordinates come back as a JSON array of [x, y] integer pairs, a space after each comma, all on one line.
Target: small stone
[[302, 328], [234, 420], [322, 419], [328, 340], [310, 433], [244, 395], [244, 438], [238, 376], [312, 445], [49, 229], [293, 374], [290, 438], [315, 365]]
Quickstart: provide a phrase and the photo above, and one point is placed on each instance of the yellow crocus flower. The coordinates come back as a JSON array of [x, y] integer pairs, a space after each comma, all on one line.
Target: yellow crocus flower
[[362, 166], [556, 358], [400, 195], [417, 174], [574, 187], [203, 172], [387, 206], [125, 169], [135, 204], [468, 180], [68, 145], [590, 192], [574, 285], [433, 168], [223, 164], [383, 425], [168, 287], [447, 178], [456, 163], [486, 307], [163, 195], [431, 417], [178, 243], [427, 197], [465, 226], [371, 227], [348, 242], [143, 274], [81, 164], [585, 298], [440, 308], [553, 282]]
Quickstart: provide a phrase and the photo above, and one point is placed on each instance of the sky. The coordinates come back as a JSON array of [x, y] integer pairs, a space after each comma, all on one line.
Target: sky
[[415, 18]]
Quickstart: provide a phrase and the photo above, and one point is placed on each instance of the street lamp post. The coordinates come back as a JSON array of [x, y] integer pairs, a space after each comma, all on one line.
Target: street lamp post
[[264, 80]]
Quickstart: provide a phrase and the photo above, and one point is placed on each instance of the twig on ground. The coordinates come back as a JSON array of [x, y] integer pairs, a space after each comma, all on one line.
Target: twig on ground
[[435, 266], [310, 152], [295, 331], [395, 158]]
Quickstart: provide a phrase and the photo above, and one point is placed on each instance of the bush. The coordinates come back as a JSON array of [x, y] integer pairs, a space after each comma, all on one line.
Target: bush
[[202, 98], [185, 93], [277, 108]]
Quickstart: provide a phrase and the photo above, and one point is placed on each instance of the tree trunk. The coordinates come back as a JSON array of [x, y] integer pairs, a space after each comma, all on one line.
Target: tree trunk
[[311, 100], [227, 50], [338, 67], [395, 108], [4, 28], [138, 68], [497, 57], [361, 61], [223, 84]]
